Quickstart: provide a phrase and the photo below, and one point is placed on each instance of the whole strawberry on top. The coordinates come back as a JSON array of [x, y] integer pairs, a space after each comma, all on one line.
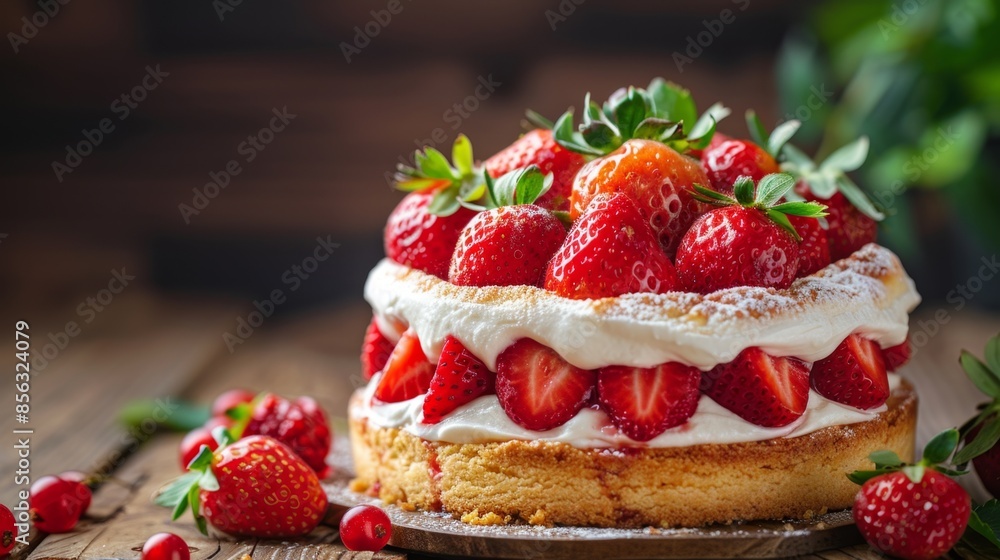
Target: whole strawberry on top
[[914, 511], [610, 251], [422, 231], [538, 147], [746, 241], [639, 137], [509, 244], [727, 159], [254, 487]]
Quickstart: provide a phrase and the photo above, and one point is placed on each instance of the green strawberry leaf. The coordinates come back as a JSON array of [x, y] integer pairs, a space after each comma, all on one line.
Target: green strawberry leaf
[[179, 416], [704, 127], [758, 132], [773, 187], [988, 436], [744, 191], [780, 136], [177, 490], [940, 447], [434, 164], [629, 112], [803, 209], [538, 120], [861, 477], [781, 219], [521, 186], [848, 157], [981, 376], [915, 472], [709, 196], [672, 102], [855, 196], [797, 159], [419, 184], [445, 201], [461, 155], [569, 138], [885, 458], [992, 354], [985, 520]]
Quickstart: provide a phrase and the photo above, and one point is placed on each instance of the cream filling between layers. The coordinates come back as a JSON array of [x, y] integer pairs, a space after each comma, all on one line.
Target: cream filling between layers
[[868, 293], [484, 420]]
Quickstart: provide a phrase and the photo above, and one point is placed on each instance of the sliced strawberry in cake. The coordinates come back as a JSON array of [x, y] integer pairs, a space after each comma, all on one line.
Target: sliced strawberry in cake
[[407, 373], [766, 390], [645, 402], [854, 374]]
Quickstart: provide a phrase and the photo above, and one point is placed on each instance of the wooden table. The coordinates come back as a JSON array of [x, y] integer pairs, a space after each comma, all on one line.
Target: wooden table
[[146, 346]]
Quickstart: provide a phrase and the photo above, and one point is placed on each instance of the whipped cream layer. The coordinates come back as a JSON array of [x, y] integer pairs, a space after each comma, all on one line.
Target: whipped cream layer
[[868, 293], [484, 420]]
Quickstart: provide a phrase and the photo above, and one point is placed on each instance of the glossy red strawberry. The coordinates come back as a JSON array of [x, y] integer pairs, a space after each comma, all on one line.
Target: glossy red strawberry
[[375, 350], [853, 375], [506, 246], [912, 520], [191, 445], [538, 389], [657, 178], [538, 147], [407, 373], [261, 488], [460, 377], [848, 229], [728, 160], [645, 402], [765, 390], [299, 423], [897, 356], [419, 239], [814, 251], [610, 251], [8, 531]]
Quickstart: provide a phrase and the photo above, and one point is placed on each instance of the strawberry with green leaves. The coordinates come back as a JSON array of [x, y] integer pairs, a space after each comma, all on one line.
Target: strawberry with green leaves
[[727, 159], [746, 241], [510, 243], [852, 219], [912, 511], [254, 487], [422, 230], [610, 250], [639, 138], [981, 434], [539, 147]]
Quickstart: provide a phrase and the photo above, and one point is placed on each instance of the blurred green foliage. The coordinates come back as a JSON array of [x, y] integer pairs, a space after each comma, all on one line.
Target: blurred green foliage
[[920, 78]]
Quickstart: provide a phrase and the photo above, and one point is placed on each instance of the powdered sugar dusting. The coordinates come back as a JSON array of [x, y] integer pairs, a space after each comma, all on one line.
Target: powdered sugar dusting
[[868, 293]]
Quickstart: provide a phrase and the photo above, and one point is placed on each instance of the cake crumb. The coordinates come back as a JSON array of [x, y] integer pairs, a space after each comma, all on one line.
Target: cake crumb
[[789, 527], [540, 517], [356, 485], [489, 518], [246, 557], [406, 506]]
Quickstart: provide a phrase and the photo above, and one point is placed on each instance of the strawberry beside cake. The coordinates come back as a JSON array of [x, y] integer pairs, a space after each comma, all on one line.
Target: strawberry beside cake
[[634, 321]]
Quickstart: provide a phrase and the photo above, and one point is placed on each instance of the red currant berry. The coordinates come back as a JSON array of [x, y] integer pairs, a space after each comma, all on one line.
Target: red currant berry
[[165, 546], [8, 530], [191, 445], [82, 491], [230, 399], [55, 506], [365, 528]]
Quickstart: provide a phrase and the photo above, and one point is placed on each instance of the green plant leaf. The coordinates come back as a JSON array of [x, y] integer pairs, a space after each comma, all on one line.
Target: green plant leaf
[[708, 195], [445, 201], [521, 186], [567, 137], [885, 458], [461, 155], [981, 376], [992, 354], [781, 219], [600, 136], [797, 159], [848, 157], [774, 186], [178, 416], [758, 132], [705, 124], [985, 520], [780, 136], [799, 208], [418, 184], [743, 188], [915, 472], [208, 481], [434, 164], [859, 199], [672, 102], [177, 490], [538, 120], [630, 112], [861, 477], [940, 447], [988, 436]]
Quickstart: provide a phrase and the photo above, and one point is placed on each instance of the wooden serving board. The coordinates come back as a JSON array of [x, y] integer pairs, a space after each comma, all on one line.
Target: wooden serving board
[[441, 534]]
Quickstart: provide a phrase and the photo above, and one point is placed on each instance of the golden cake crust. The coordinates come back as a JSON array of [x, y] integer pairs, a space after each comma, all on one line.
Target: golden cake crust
[[547, 483]]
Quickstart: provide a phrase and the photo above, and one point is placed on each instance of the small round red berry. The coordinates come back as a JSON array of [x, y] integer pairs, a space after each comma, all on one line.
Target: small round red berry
[[81, 491], [8, 530], [230, 399], [165, 546], [365, 528], [55, 504], [191, 445]]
